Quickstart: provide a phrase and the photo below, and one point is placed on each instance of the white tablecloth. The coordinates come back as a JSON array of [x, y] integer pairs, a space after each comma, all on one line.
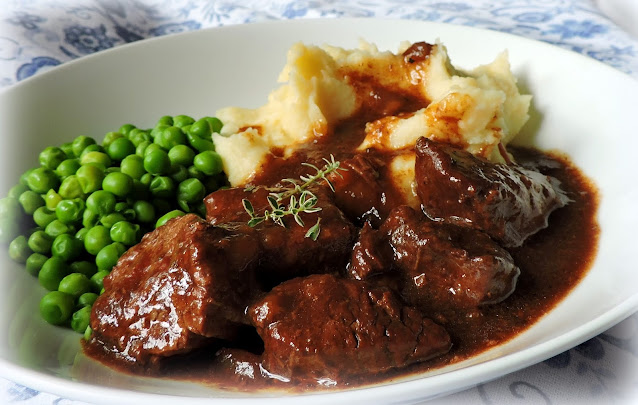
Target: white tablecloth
[[37, 35]]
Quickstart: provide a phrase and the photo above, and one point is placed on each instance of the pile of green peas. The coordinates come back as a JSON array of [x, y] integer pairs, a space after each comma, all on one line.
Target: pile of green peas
[[71, 218]]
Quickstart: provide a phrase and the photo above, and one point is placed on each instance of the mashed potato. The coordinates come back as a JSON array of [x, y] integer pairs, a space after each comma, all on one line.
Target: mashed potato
[[475, 110]]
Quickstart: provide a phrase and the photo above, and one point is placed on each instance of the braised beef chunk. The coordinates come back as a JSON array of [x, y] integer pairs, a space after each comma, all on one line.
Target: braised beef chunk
[[508, 202], [286, 250], [184, 283], [321, 326], [371, 255], [445, 265], [439, 265], [360, 192]]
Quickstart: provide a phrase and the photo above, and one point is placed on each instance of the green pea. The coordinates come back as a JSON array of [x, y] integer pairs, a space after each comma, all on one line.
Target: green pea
[[66, 246], [51, 157], [67, 167], [25, 176], [15, 191], [199, 144], [75, 284], [215, 124], [80, 143], [144, 211], [84, 267], [79, 235], [157, 162], [140, 149], [67, 148], [90, 218], [108, 256], [118, 183], [120, 148], [126, 129], [101, 202], [168, 216], [137, 136], [42, 180], [57, 227], [152, 148], [208, 162], [96, 238], [202, 129], [43, 216], [170, 137], [56, 307], [30, 201], [181, 155], [182, 120], [109, 220], [125, 233], [99, 158], [90, 178], [97, 280], [40, 242], [52, 272], [71, 187], [19, 249], [162, 187], [91, 148], [110, 137], [34, 263], [165, 120], [87, 299], [179, 173], [146, 179], [88, 333], [191, 190], [133, 166], [70, 211], [80, 319], [51, 199]]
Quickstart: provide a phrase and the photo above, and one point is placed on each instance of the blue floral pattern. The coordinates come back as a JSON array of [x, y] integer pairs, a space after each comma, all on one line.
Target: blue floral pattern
[[37, 35]]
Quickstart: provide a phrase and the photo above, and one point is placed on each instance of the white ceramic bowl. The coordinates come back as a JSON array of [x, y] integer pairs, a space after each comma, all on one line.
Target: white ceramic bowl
[[581, 107]]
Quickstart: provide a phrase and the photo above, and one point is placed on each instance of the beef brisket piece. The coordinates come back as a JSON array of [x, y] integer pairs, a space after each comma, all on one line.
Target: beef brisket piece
[[508, 202], [359, 191], [286, 251], [184, 283], [439, 265], [324, 327]]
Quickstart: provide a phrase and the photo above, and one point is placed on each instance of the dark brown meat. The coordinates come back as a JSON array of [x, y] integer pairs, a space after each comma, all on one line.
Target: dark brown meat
[[508, 202], [439, 265], [360, 192], [286, 251], [324, 327], [184, 283]]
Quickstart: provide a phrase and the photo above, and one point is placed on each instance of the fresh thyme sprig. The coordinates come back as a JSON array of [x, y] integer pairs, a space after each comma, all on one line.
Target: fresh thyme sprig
[[301, 200]]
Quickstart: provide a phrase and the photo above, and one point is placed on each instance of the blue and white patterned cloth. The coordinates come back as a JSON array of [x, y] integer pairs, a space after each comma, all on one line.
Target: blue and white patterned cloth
[[37, 35]]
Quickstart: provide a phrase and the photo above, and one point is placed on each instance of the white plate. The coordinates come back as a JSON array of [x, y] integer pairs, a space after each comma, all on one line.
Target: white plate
[[582, 107]]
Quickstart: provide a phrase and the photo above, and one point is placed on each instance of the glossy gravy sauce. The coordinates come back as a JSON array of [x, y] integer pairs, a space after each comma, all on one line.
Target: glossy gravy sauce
[[552, 261]]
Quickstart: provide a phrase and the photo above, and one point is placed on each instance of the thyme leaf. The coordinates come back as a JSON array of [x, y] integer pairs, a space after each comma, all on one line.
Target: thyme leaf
[[300, 199]]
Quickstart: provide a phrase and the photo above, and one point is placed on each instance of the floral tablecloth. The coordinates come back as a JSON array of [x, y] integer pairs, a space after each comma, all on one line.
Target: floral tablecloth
[[37, 35]]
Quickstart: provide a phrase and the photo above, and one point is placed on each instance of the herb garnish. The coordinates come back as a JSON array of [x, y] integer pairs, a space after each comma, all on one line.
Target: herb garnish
[[301, 200]]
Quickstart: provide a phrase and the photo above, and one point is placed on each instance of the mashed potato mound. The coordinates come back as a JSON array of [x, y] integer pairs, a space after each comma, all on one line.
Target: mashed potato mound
[[475, 110]]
